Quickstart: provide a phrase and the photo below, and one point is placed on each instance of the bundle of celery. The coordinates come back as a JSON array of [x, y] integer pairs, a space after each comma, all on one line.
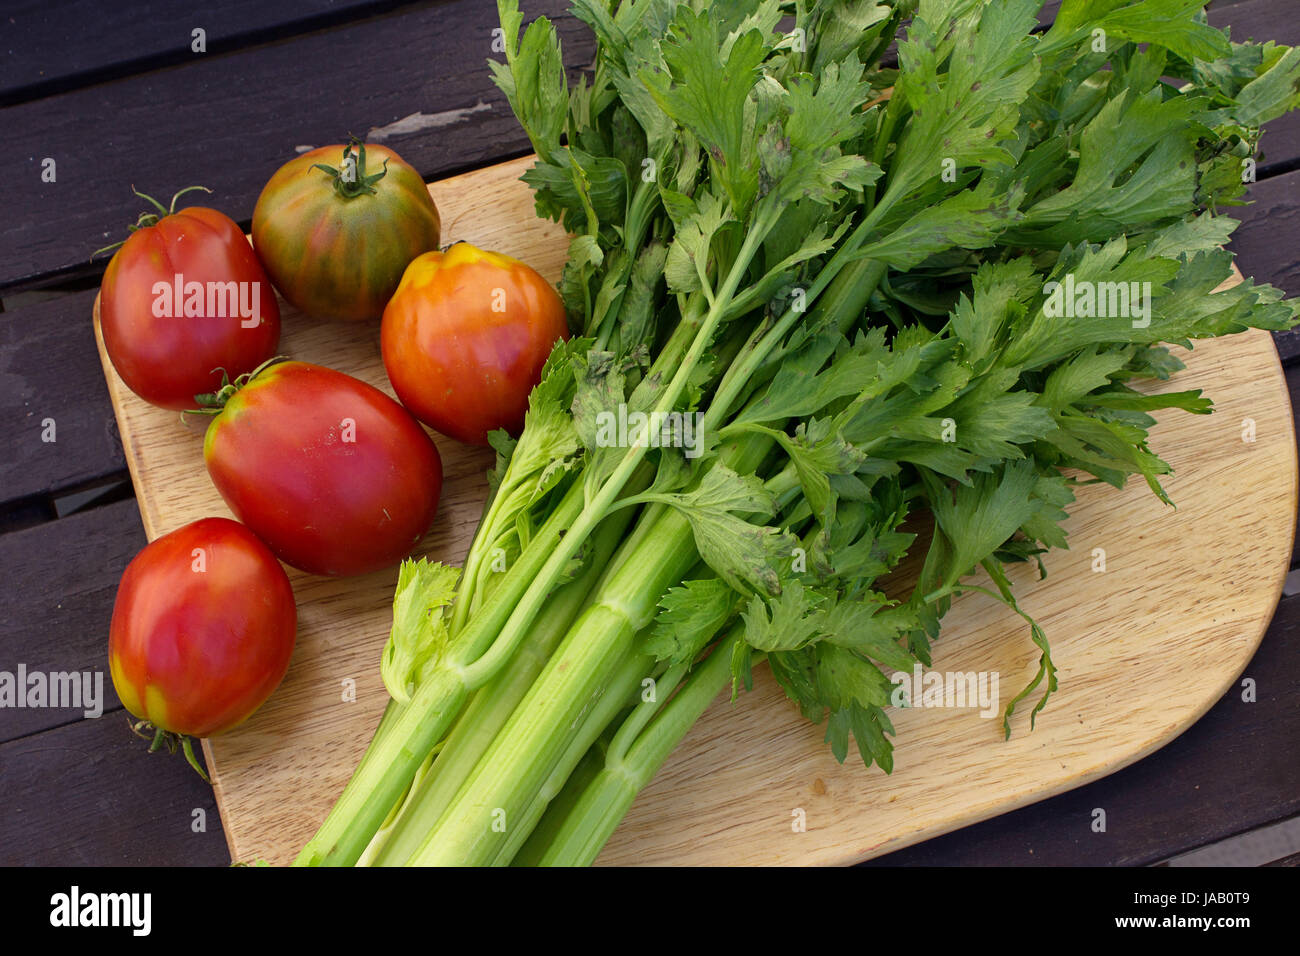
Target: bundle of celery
[[813, 294]]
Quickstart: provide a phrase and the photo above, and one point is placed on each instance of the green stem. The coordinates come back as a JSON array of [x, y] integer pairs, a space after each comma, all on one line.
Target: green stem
[[578, 836], [390, 764], [588, 768], [597, 508], [483, 539], [493, 704], [380, 782], [530, 745], [841, 291], [645, 710], [487, 642], [614, 697]]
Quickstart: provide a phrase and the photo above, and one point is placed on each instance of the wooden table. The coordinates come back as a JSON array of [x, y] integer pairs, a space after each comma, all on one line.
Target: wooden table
[[132, 100]]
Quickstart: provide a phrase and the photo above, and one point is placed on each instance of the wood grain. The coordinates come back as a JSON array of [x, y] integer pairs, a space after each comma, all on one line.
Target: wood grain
[[1144, 648], [1232, 771]]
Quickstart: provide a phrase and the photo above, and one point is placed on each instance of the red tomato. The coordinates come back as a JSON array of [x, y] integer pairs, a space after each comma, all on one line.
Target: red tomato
[[182, 300], [202, 629], [465, 337], [335, 476], [336, 244]]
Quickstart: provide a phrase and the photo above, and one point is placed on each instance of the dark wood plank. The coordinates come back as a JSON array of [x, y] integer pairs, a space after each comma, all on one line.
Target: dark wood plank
[[50, 370], [60, 582], [53, 45], [89, 794], [1267, 244], [228, 122], [1232, 771]]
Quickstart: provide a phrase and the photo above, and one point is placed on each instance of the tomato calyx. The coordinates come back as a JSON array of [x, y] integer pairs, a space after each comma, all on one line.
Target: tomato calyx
[[350, 179], [147, 219], [211, 403], [165, 738]]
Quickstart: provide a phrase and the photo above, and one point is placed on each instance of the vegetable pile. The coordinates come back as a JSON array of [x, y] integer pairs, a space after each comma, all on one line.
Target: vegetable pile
[[813, 293], [326, 472]]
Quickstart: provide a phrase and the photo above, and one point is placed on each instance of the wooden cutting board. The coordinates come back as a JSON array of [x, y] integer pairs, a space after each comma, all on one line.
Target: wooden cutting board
[[1144, 647]]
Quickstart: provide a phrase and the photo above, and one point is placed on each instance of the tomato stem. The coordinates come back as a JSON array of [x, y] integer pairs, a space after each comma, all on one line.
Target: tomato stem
[[211, 403], [165, 738], [180, 193], [156, 204], [147, 219], [350, 179]]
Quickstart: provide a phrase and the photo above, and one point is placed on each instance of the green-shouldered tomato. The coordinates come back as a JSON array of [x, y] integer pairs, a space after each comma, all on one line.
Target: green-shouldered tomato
[[335, 476], [202, 629], [182, 301], [336, 239], [464, 339]]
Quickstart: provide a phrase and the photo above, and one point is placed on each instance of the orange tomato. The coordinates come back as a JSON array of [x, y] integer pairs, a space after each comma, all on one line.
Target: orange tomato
[[464, 339]]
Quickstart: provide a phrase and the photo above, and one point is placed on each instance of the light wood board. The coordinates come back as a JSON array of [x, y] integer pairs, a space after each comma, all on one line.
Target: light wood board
[[1144, 647]]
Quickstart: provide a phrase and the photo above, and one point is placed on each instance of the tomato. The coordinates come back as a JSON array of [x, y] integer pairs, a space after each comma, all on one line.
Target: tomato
[[202, 629], [464, 339], [335, 476], [184, 299], [336, 239]]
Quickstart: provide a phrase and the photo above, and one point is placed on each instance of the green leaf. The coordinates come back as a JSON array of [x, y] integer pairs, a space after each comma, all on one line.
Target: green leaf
[[824, 111], [419, 632], [970, 219], [690, 616], [599, 390], [1199, 234], [1086, 372], [687, 265], [1177, 25], [532, 78], [1272, 93], [784, 623], [588, 190], [547, 446], [846, 679], [709, 94], [838, 28], [872, 629], [977, 518], [744, 555], [966, 113], [803, 387], [869, 725], [1137, 166], [585, 258]]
